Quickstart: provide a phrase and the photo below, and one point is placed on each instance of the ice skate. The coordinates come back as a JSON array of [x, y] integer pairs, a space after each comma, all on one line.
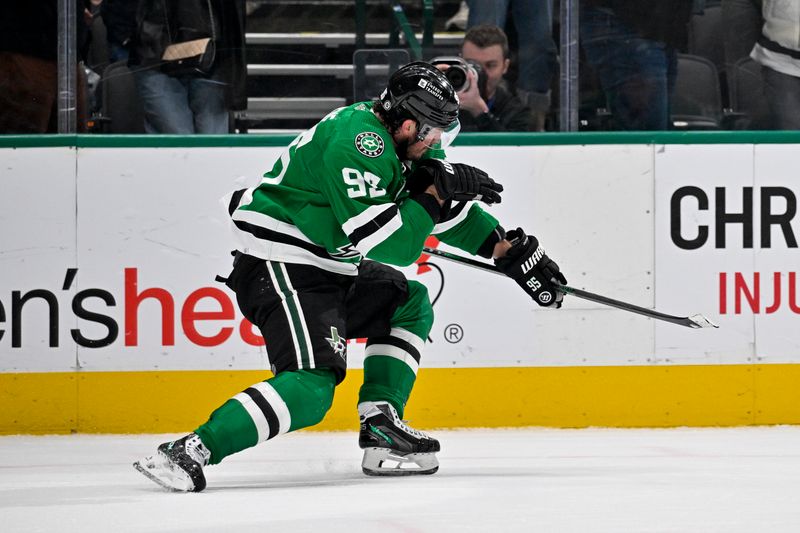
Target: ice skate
[[392, 448], [177, 465]]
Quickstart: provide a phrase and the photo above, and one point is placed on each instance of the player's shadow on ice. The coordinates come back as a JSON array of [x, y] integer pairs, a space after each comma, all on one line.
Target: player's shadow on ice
[[311, 480], [358, 479]]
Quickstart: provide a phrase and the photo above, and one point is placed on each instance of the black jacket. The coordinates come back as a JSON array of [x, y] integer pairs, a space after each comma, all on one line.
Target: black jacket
[[30, 27], [119, 16], [508, 113], [660, 20], [160, 23]]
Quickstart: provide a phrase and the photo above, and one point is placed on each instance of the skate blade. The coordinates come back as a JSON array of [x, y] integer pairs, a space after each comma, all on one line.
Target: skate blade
[[159, 470], [382, 462]]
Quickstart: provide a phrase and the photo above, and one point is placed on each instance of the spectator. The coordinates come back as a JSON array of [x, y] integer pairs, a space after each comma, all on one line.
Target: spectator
[[632, 45], [29, 69], [778, 51], [176, 97], [486, 105], [119, 16], [537, 54]]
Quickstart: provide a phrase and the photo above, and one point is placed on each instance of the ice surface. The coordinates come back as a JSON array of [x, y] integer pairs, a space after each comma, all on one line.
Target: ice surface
[[538, 480]]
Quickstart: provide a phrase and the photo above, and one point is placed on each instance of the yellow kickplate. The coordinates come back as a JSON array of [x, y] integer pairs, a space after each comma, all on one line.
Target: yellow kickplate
[[630, 396]]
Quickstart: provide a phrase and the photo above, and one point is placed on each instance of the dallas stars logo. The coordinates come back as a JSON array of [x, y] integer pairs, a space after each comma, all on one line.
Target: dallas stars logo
[[338, 344], [370, 144]]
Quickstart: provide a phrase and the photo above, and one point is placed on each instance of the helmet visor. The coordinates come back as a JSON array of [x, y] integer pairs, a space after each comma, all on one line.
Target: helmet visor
[[438, 138]]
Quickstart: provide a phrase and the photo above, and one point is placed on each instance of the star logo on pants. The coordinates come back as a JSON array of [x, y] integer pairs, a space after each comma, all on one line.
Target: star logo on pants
[[338, 344]]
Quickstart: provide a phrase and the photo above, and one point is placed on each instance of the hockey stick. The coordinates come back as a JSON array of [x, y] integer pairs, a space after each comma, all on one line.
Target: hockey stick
[[694, 321]]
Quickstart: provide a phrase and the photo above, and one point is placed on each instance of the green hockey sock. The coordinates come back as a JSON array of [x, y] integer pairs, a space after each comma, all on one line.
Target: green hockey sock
[[289, 401], [391, 361], [387, 379]]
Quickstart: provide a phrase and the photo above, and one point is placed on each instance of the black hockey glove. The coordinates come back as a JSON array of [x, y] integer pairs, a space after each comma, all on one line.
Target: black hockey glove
[[526, 263], [456, 181]]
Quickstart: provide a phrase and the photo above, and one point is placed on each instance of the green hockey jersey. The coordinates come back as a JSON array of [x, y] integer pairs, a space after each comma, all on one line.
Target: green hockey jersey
[[337, 195]]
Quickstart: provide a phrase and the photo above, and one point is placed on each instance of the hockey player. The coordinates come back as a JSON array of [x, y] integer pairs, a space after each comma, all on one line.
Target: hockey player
[[362, 189]]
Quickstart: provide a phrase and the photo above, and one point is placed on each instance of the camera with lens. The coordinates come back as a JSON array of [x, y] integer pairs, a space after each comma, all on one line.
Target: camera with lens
[[457, 72]]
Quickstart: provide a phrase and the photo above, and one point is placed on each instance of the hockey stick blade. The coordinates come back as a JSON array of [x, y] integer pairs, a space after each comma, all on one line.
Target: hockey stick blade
[[694, 321]]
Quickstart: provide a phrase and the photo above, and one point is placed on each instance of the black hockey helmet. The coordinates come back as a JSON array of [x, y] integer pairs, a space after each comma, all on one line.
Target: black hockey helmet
[[421, 92]]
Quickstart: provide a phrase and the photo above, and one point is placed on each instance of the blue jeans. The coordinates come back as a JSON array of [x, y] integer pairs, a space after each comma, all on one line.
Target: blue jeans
[[533, 19], [181, 105], [636, 74]]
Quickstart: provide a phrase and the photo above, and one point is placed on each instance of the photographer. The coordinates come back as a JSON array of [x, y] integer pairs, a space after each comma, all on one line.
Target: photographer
[[486, 104]]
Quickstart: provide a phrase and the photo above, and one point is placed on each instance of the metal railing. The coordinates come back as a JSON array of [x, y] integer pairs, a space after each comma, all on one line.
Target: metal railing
[[338, 39], [401, 26]]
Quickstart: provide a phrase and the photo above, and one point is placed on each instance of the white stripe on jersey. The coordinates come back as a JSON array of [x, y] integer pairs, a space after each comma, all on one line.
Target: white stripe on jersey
[[456, 220], [262, 427], [267, 222], [277, 404], [384, 232], [274, 251], [286, 253], [246, 198], [387, 350], [365, 216]]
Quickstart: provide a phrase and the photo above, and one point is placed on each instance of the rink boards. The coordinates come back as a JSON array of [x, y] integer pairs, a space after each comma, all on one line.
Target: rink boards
[[110, 320]]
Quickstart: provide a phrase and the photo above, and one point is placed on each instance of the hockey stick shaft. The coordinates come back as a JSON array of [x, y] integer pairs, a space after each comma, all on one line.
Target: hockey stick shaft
[[695, 321]]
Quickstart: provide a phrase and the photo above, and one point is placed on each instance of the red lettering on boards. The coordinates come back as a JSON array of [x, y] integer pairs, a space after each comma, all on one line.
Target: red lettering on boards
[[748, 291], [189, 315]]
